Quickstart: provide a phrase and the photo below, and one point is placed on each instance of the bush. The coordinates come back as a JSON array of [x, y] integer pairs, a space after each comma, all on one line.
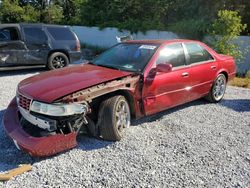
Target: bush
[[191, 28], [225, 29]]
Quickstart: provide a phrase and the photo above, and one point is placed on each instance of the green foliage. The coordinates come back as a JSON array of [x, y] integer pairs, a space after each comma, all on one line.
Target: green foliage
[[225, 29], [71, 10], [31, 15], [190, 18], [10, 11], [192, 28], [133, 15], [53, 14]]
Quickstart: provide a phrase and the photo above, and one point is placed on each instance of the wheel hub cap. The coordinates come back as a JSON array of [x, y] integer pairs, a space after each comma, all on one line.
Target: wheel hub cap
[[219, 88], [58, 62], [122, 115]]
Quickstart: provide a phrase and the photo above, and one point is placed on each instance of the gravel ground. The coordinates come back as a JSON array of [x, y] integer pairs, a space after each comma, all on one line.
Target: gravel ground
[[195, 145]]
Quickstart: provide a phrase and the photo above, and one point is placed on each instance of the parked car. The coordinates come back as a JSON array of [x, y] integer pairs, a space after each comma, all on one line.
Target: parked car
[[130, 80], [38, 44]]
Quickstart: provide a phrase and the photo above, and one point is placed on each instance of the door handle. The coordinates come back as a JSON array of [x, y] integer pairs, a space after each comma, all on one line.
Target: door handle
[[213, 67], [185, 74]]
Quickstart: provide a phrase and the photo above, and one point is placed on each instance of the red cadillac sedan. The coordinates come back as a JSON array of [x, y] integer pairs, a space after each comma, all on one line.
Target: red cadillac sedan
[[130, 80]]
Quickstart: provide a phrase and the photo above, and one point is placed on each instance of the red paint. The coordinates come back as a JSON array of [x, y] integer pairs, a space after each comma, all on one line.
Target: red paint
[[51, 85], [155, 92], [35, 146]]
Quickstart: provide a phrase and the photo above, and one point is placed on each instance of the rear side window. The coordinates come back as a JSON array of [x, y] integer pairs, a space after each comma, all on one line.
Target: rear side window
[[36, 35], [172, 54], [61, 33], [197, 53]]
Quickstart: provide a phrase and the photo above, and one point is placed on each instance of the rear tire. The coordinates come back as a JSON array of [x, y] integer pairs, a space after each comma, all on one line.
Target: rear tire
[[57, 60], [218, 89], [114, 118]]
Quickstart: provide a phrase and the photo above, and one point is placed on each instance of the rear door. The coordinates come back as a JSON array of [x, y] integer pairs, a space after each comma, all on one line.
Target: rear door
[[203, 69], [12, 47], [37, 43], [165, 90]]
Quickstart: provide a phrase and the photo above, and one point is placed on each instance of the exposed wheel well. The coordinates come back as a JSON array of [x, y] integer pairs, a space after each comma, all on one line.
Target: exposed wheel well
[[225, 74], [97, 101]]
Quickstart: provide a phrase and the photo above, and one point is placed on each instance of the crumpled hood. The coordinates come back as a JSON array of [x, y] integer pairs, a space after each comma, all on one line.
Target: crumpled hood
[[52, 85]]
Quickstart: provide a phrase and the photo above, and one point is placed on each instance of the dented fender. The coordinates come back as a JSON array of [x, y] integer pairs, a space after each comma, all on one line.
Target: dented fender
[[126, 83]]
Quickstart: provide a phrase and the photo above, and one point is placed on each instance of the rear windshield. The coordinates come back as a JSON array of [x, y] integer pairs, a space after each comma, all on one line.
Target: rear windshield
[[61, 33]]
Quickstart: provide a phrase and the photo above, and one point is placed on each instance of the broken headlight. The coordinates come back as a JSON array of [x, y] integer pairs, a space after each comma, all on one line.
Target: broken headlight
[[58, 109]]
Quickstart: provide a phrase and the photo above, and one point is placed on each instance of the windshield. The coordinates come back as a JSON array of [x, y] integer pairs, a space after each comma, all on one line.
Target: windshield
[[127, 56]]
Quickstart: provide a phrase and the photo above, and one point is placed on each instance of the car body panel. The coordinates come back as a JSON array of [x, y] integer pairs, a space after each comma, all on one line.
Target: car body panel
[[148, 93], [164, 90], [49, 86], [35, 146]]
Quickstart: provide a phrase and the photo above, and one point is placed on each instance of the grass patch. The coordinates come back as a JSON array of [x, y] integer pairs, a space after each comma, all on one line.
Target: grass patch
[[240, 82]]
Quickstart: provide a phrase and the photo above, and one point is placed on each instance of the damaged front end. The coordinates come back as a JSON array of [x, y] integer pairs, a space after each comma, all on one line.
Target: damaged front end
[[41, 134], [43, 129]]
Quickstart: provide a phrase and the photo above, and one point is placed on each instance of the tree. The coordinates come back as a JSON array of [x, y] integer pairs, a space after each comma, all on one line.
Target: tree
[[30, 14], [10, 11], [133, 15], [225, 29], [71, 10], [53, 14]]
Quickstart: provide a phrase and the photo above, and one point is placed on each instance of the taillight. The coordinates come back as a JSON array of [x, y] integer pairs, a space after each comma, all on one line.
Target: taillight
[[78, 45]]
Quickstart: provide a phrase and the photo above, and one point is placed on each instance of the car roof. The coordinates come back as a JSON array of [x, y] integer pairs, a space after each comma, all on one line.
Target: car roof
[[161, 41], [29, 24]]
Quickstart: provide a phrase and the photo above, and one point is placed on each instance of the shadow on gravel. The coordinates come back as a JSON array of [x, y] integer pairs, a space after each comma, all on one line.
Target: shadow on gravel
[[238, 105], [21, 72], [169, 111]]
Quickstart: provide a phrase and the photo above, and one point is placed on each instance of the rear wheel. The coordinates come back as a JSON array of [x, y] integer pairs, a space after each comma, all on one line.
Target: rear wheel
[[114, 118], [218, 89], [57, 60]]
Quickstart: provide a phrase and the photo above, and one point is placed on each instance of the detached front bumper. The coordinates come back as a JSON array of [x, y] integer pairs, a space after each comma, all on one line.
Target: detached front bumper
[[35, 146]]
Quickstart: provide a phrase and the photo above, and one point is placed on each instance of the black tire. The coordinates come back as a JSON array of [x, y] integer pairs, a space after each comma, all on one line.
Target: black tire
[[57, 60], [212, 94], [108, 121]]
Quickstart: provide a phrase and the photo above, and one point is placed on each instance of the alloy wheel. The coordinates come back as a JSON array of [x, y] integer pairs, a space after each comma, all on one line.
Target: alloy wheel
[[122, 115]]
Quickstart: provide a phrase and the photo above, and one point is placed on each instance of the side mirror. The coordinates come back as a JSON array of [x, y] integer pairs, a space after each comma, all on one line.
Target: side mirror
[[164, 67]]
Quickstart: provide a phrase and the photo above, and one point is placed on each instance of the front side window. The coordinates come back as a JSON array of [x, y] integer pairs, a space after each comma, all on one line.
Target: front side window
[[34, 35], [127, 56], [9, 34], [172, 54], [197, 53]]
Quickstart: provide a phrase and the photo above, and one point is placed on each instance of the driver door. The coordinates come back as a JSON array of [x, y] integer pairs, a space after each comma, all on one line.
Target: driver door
[[12, 48], [163, 90]]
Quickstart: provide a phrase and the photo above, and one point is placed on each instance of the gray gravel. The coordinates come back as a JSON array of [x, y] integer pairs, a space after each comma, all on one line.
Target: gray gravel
[[195, 145]]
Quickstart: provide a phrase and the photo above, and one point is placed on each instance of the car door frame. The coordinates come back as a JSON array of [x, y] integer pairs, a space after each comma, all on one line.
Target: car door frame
[[202, 73], [149, 99]]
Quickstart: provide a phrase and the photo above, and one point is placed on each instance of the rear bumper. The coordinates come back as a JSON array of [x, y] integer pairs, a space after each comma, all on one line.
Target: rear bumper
[[75, 56], [35, 146]]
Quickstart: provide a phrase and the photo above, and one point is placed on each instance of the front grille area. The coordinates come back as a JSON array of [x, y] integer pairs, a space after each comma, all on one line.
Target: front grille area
[[24, 102]]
